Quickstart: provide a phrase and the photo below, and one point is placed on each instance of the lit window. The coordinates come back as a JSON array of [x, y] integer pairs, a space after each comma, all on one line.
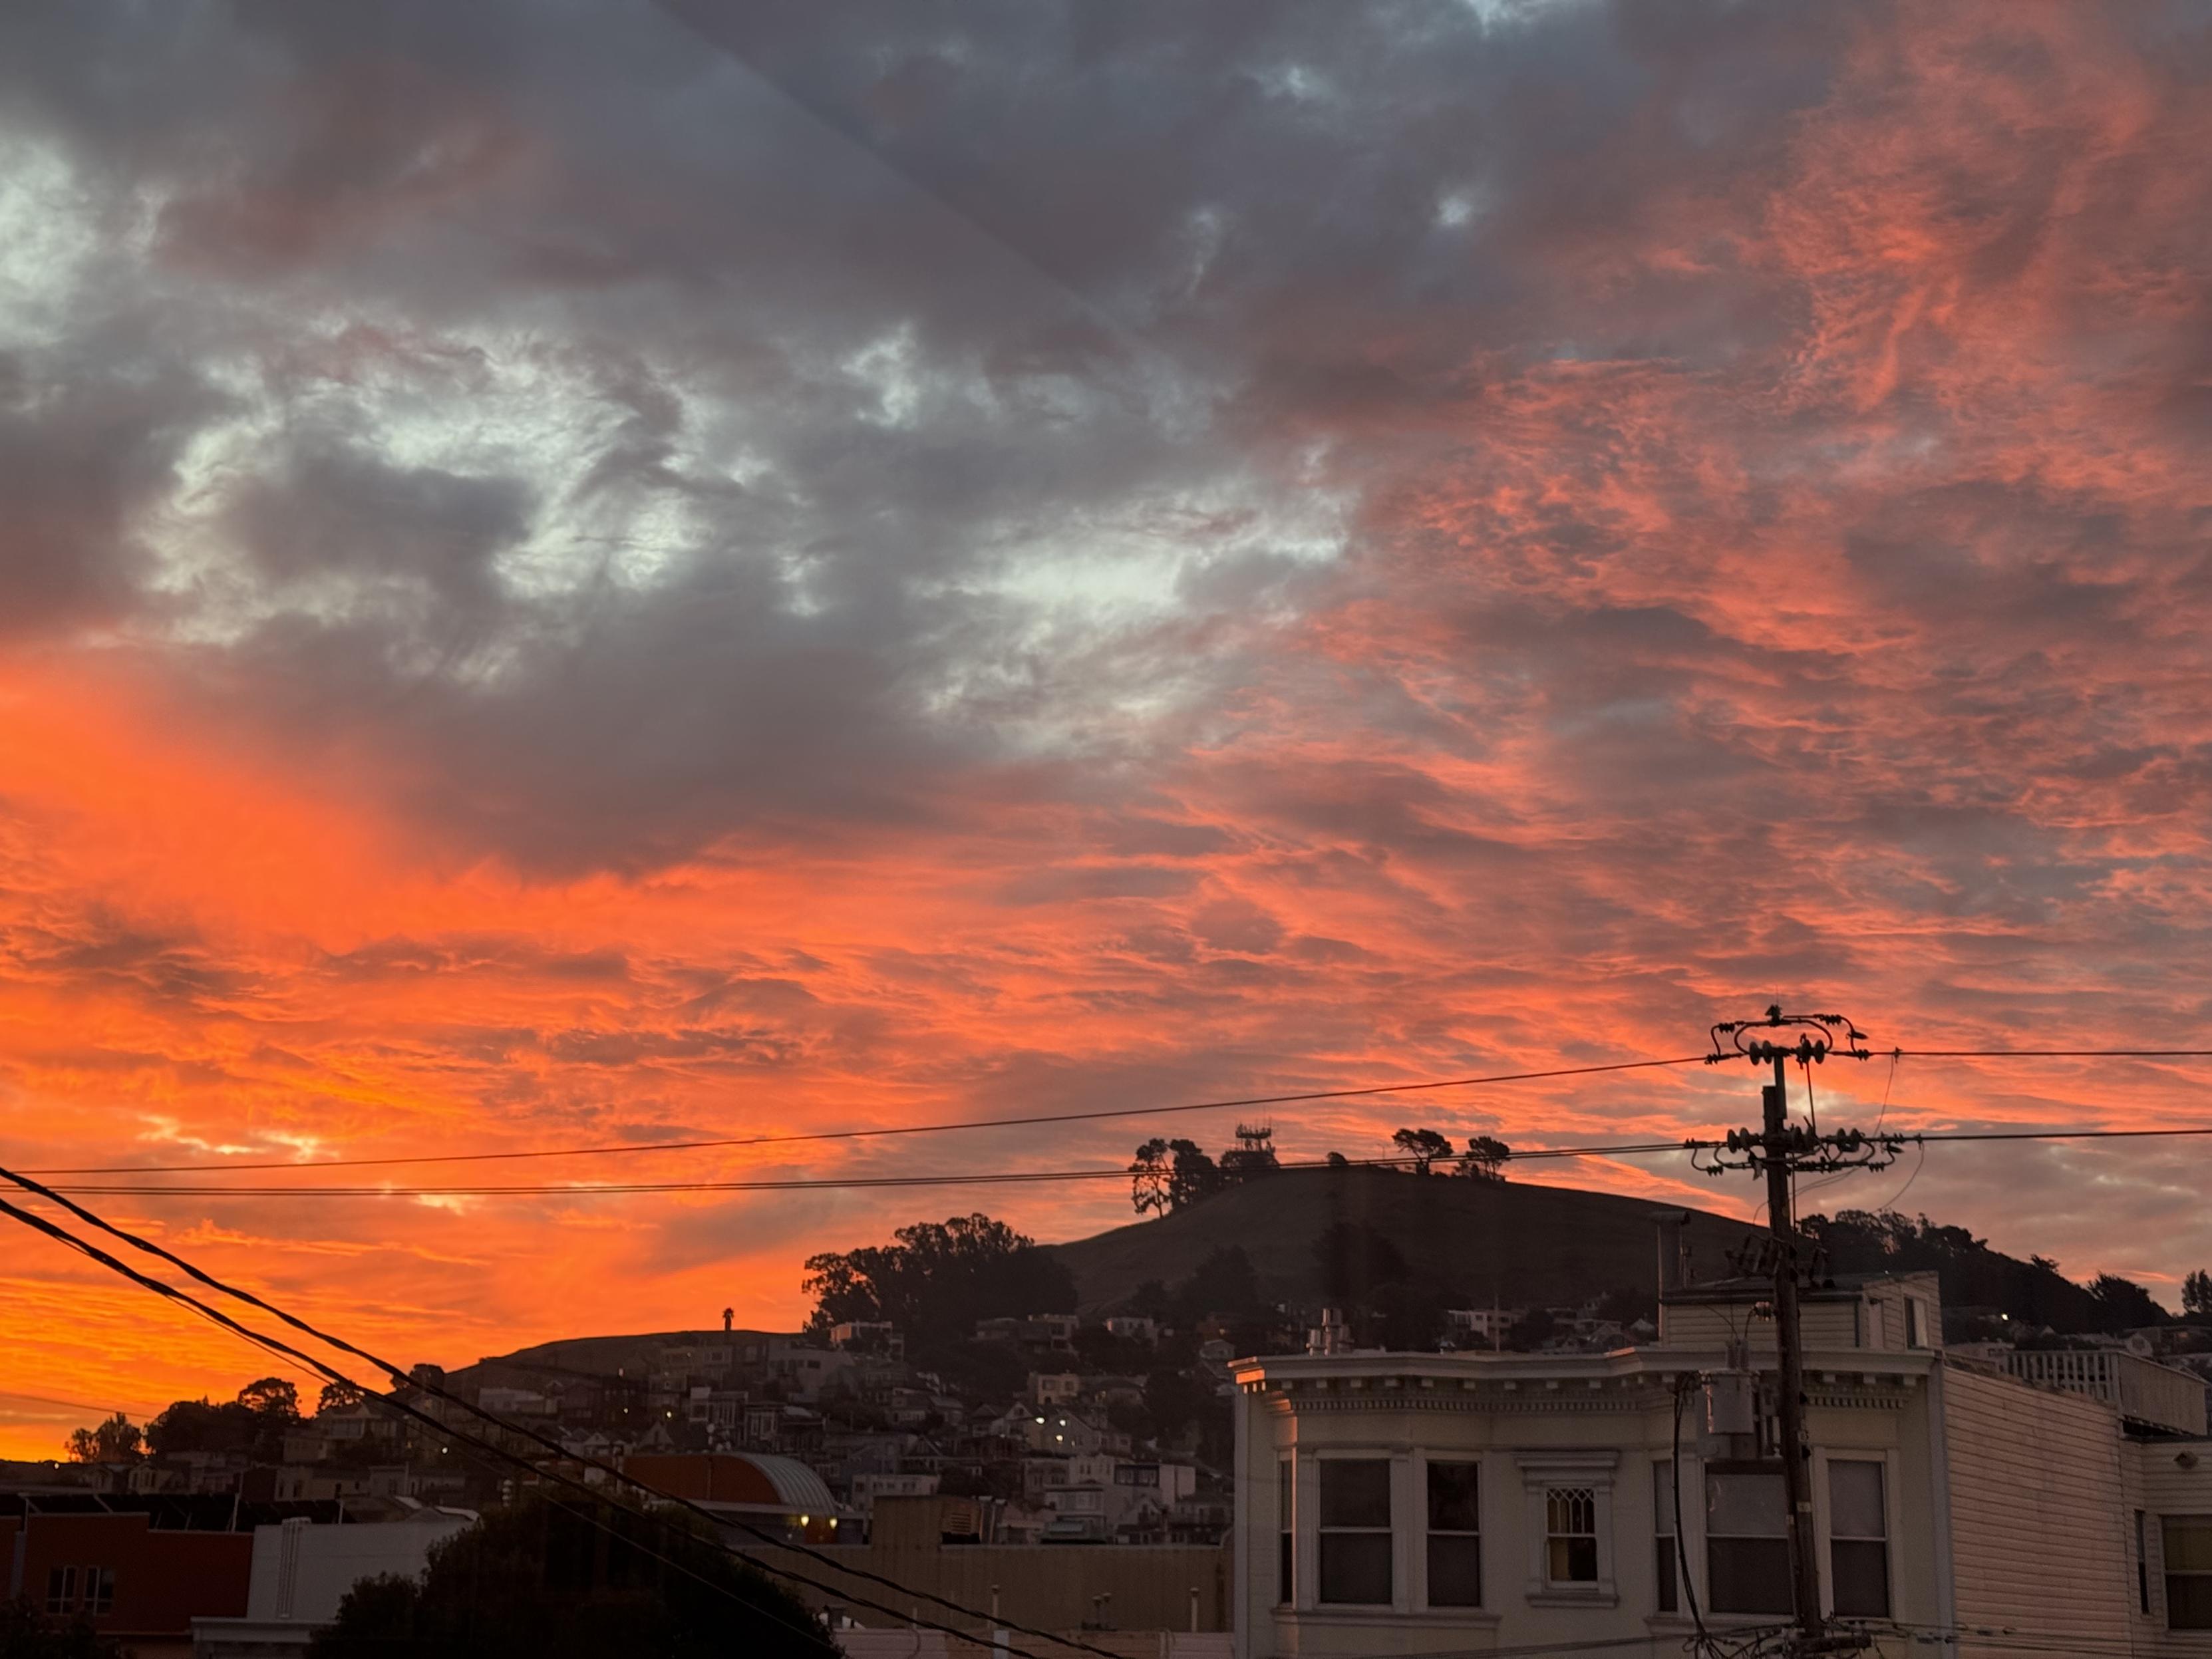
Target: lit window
[[1571, 1535], [1858, 1541], [1747, 1541], [1455, 1535], [1662, 1528], [61, 1590], [1355, 1531], [2188, 1541]]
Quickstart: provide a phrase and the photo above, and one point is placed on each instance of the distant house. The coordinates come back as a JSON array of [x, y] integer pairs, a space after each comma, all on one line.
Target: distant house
[[1134, 1328], [869, 1336], [1053, 1388], [1055, 1331]]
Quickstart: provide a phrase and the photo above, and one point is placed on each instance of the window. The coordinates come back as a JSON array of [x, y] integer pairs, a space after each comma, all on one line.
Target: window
[[2188, 1539], [1571, 1535], [1355, 1531], [1662, 1529], [1286, 1552], [1455, 1535], [61, 1590], [1747, 1541], [2143, 1565], [99, 1591], [1858, 1541]]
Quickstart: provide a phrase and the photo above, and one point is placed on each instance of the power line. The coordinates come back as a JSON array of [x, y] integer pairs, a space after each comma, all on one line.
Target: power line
[[323, 1368], [2052, 1053], [795, 1183], [1017, 1177], [627, 1148]]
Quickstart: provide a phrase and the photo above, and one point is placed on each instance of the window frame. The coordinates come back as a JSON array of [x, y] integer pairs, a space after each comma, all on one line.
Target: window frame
[[1323, 1531], [1716, 1542], [1836, 1536], [1595, 1469], [97, 1595], [1571, 1498], [1668, 1565], [1431, 1532], [2166, 1572], [61, 1590], [1286, 1547]]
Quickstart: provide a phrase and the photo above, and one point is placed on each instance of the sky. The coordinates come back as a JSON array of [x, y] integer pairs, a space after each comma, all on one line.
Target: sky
[[601, 571]]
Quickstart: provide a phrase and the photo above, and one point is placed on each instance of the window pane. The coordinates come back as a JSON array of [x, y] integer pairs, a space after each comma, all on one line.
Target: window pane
[[1355, 1493], [1572, 1560], [1855, 1500], [1745, 1505], [1862, 1578], [1569, 1509], [2188, 1602], [1285, 1570], [1663, 1499], [1669, 1592], [1452, 1498], [1355, 1566], [1455, 1571], [2188, 1542], [1749, 1575]]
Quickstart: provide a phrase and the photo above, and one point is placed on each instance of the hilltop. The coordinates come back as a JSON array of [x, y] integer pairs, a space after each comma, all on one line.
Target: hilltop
[[1520, 1244]]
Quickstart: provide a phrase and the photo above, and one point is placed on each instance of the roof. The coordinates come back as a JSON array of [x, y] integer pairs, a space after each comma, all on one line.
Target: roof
[[748, 1481]]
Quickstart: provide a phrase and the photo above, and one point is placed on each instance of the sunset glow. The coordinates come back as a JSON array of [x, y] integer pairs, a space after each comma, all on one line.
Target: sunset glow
[[579, 576]]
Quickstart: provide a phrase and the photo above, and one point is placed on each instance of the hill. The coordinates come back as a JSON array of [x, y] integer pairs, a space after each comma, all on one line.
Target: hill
[[1521, 1244]]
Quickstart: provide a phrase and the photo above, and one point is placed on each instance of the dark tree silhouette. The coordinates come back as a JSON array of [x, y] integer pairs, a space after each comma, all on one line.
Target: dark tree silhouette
[[1170, 1174], [1484, 1158], [27, 1633], [939, 1279], [118, 1440], [2197, 1294], [1424, 1146], [573, 1578]]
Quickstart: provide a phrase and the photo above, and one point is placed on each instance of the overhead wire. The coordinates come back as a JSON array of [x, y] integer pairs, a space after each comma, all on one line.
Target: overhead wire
[[1011, 1177], [966, 1178], [632, 1147], [438, 1391]]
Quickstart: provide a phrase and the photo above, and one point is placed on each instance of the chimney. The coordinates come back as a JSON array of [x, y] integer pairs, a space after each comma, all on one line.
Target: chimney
[[1670, 1224]]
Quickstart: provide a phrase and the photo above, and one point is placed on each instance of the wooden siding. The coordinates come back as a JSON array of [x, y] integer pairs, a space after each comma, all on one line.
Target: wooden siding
[[2038, 1517]]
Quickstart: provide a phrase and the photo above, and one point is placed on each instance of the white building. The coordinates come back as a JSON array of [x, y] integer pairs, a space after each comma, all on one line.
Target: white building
[[1403, 1502], [301, 1571]]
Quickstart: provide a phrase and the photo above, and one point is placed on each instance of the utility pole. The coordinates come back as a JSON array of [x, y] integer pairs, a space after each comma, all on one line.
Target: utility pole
[[1778, 1149], [1789, 1381]]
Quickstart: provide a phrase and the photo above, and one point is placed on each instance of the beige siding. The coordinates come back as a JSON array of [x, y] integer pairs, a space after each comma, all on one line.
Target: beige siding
[[2038, 1519]]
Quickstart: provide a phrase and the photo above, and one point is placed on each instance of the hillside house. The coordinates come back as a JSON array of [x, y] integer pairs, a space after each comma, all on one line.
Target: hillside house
[[1388, 1502]]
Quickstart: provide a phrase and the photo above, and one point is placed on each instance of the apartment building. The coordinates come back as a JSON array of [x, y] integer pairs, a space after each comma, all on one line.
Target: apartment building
[[1399, 1502]]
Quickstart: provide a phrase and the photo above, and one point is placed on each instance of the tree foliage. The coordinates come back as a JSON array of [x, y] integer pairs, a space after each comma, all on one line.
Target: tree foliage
[[2197, 1294], [1424, 1146], [336, 1396], [1172, 1174], [256, 1421], [27, 1633], [939, 1279], [573, 1579], [1484, 1158], [118, 1440], [2033, 1292]]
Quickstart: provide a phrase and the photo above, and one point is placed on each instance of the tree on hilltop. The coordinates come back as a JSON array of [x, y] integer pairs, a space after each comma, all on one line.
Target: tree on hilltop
[[1424, 1146]]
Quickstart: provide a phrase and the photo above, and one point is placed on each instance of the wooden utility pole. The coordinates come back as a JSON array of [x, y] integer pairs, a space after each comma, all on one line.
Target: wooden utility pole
[[1777, 1148], [1789, 1343]]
